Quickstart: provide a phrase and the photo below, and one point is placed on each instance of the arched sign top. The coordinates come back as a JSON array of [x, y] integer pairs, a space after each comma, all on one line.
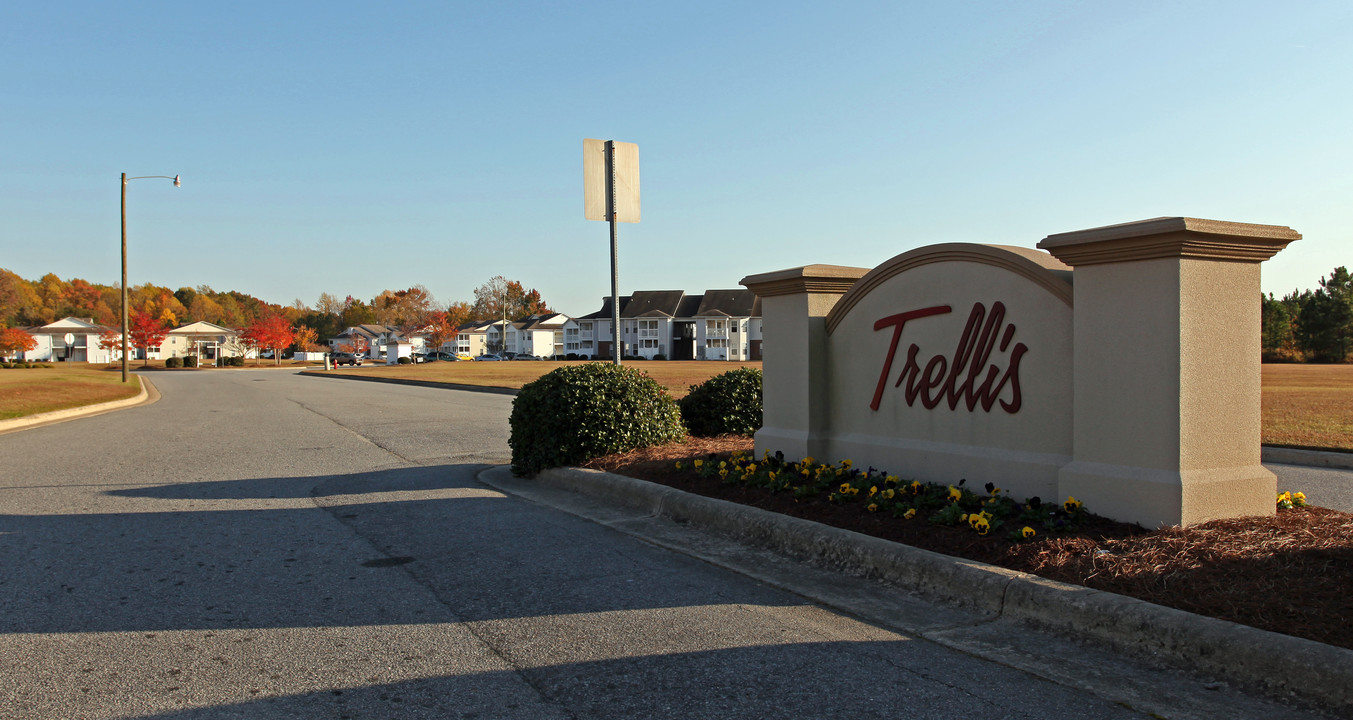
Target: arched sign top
[[1038, 267]]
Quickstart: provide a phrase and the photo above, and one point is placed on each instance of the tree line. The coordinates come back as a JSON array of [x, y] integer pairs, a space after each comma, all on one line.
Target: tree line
[[1311, 325], [39, 302]]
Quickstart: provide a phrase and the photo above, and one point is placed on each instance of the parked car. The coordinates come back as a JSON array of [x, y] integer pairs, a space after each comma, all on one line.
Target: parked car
[[463, 356], [488, 358], [342, 358], [441, 355], [525, 357]]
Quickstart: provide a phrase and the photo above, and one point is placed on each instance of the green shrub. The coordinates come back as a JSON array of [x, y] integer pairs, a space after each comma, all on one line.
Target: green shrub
[[585, 411], [190, 361], [235, 361], [173, 362], [727, 403], [659, 356], [404, 361]]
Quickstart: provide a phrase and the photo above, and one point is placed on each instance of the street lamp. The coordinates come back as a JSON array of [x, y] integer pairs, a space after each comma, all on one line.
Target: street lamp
[[177, 183]]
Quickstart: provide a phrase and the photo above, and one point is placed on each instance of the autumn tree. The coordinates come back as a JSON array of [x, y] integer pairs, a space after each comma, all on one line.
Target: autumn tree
[[502, 298], [270, 333], [403, 307], [306, 339], [329, 305], [14, 341], [110, 340], [147, 331], [439, 331], [459, 313], [18, 300]]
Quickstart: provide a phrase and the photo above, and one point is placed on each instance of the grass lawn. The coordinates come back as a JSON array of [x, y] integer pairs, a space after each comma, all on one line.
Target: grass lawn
[[1308, 406], [677, 377], [1304, 405], [66, 385]]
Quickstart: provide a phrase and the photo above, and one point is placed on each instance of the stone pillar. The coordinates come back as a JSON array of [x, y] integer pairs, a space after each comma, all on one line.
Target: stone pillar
[[1167, 369], [794, 307]]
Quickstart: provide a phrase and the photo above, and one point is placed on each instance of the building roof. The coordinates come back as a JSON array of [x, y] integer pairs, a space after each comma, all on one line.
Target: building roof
[[202, 327], [730, 303], [68, 325], [652, 303], [605, 312]]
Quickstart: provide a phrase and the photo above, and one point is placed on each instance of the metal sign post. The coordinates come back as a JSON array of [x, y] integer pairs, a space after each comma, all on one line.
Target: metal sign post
[[611, 193]]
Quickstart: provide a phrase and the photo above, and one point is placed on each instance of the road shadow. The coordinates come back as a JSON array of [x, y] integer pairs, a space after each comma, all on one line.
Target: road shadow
[[401, 546]]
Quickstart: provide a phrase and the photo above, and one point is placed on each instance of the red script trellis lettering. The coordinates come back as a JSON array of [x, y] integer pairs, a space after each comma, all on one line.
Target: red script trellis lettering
[[972, 355]]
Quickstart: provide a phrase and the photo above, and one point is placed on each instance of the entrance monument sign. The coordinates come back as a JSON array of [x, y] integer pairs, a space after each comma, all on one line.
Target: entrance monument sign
[[1121, 367]]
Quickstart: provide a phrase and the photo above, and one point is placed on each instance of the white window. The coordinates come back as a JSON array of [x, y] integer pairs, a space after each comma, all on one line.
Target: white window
[[717, 342]]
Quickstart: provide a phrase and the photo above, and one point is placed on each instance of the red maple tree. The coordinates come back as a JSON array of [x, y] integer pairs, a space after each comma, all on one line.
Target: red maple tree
[[111, 341], [270, 333], [147, 331]]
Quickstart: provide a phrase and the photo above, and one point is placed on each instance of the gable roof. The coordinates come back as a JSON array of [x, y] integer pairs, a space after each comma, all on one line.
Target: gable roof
[[690, 306], [605, 312], [68, 324], [653, 303], [731, 303], [202, 327]]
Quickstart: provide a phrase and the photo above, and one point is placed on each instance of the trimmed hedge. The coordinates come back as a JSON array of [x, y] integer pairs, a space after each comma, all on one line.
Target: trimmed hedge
[[579, 412], [173, 362], [727, 403]]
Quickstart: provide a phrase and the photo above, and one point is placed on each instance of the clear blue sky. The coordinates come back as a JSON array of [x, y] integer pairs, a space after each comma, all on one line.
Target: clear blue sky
[[350, 147]]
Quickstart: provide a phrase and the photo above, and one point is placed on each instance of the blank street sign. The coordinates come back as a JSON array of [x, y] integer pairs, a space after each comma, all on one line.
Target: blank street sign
[[626, 180]]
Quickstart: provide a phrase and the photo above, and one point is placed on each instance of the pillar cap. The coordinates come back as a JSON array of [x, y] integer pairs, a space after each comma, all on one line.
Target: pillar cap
[[1170, 237], [816, 279]]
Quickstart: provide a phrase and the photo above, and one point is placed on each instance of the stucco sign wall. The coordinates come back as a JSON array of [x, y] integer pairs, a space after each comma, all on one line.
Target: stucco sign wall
[[955, 359], [1130, 381]]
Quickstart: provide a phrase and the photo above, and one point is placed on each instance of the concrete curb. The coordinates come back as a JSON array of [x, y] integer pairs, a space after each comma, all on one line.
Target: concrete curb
[[147, 395], [1310, 458], [416, 383], [1279, 664]]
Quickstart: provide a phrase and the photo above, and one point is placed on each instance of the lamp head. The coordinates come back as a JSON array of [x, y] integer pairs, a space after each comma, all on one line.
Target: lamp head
[[176, 182]]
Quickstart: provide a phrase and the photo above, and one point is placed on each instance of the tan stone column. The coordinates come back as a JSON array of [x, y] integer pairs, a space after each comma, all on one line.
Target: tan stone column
[[794, 307], [1167, 369]]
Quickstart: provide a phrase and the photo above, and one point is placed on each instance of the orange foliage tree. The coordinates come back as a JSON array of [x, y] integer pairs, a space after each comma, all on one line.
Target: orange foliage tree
[[14, 341], [270, 333], [439, 331]]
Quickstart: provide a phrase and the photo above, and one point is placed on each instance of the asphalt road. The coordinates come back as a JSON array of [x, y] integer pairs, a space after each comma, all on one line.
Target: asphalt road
[[259, 544]]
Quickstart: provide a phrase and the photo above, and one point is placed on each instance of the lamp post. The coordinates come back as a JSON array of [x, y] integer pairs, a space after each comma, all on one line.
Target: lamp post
[[177, 183]]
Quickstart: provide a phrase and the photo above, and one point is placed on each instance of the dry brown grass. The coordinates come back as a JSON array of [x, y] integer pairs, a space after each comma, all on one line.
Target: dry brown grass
[[1308, 406], [37, 390], [1304, 405], [677, 377]]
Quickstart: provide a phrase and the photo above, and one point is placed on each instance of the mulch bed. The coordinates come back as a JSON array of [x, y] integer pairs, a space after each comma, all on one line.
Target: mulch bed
[[1290, 573]]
